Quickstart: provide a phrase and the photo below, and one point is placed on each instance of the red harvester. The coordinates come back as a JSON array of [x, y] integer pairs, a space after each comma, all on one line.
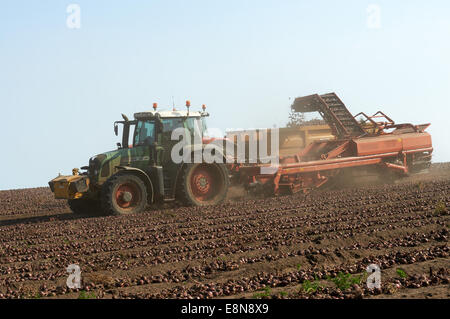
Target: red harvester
[[373, 143]]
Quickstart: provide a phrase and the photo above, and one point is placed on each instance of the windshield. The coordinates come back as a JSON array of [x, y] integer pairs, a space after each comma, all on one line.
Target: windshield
[[144, 133]]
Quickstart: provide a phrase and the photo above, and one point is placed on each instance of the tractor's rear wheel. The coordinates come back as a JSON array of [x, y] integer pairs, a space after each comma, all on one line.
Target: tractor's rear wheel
[[123, 194], [85, 206], [203, 184]]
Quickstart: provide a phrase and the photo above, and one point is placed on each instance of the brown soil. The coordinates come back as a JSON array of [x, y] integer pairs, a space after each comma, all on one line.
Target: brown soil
[[281, 247]]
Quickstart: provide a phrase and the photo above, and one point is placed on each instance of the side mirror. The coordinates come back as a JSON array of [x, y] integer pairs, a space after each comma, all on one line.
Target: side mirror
[[119, 145], [116, 129]]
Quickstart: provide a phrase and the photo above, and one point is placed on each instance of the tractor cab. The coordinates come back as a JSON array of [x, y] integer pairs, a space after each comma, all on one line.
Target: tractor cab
[[156, 127]]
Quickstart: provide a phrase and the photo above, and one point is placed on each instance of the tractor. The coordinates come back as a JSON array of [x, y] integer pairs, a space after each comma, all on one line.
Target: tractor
[[126, 180]]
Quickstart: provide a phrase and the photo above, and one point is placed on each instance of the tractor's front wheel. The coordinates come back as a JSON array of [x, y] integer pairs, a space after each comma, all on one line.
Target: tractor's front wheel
[[203, 184], [123, 194]]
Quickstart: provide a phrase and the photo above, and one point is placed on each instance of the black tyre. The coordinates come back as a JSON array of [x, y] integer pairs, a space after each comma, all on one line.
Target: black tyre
[[85, 207], [203, 184], [123, 194]]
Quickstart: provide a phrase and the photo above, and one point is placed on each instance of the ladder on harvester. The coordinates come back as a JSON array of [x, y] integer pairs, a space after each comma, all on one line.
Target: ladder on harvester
[[333, 111]]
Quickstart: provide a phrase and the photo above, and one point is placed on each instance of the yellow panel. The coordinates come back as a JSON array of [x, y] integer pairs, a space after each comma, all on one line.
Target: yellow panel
[[61, 186]]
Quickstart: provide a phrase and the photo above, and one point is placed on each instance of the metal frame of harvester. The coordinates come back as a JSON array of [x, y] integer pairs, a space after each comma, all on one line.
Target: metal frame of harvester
[[376, 142]]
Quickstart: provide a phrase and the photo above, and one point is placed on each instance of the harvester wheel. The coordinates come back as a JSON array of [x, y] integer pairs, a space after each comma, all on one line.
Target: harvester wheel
[[85, 206], [203, 184], [123, 194]]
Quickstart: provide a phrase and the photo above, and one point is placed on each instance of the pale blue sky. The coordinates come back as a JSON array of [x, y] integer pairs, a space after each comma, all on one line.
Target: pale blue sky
[[62, 89]]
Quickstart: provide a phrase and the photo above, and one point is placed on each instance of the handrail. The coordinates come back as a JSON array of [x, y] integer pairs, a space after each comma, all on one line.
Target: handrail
[[383, 115]]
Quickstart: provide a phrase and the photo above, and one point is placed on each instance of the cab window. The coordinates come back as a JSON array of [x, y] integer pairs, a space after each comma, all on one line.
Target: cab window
[[145, 133], [190, 124], [194, 124]]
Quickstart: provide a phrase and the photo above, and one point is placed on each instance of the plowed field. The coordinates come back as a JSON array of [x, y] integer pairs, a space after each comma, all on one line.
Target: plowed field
[[301, 246]]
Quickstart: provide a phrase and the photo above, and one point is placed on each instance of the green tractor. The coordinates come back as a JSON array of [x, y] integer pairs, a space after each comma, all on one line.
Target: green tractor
[[126, 180]]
